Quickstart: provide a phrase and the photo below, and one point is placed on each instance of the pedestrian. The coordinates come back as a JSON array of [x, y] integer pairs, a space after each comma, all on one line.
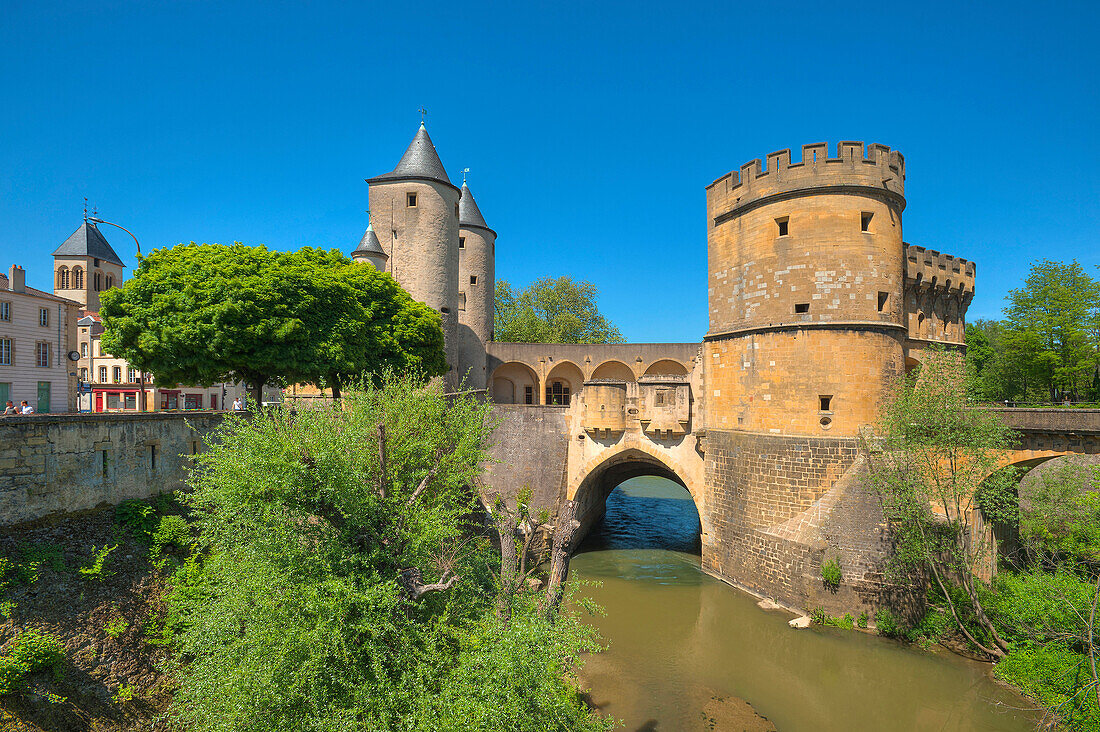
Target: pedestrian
[[238, 405], [10, 408], [25, 408]]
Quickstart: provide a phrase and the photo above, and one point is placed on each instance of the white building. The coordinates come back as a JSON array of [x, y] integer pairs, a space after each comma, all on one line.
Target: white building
[[37, 346]]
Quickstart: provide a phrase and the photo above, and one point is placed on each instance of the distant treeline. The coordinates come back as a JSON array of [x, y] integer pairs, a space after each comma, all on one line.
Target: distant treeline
[[1047, 346]]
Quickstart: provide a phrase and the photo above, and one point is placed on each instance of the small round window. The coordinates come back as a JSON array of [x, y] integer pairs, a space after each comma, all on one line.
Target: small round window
[[826, 422]]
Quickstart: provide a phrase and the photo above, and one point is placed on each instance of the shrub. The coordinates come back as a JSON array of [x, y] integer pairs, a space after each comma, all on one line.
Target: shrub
[[172, 531], [125, 693], [831, 574], [116, 627], [11, 674], [95, 570], [35, 556], [818, 616], [137, 517], [37, 651], [862, 622], [887, 623]]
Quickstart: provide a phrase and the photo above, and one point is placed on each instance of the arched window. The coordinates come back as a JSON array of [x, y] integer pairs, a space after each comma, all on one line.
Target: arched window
[[63, 278], [78, 278], [98, 281], [110, 281]]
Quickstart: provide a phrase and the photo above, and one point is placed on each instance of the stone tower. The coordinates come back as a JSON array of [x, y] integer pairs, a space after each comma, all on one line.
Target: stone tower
[[806, 268], [476, 289], [85, 265], [415, 207], [370, 250]]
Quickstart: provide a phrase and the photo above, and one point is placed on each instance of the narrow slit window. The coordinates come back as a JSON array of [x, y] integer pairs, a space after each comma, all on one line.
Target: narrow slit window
[[461, 242], [802, 307], [784, 225], [865, 221], [882, 298], [105, 462], [825, 402], [456, 210], [473, 279], [153, 458], [410, 200], [528, 395]]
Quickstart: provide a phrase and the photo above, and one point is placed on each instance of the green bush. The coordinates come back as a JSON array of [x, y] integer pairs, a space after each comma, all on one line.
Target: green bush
[[95, 569], [887, 623], [1054, 673], [818, 616], [137, 517], [862, 622], [116, 627], [172, 531], [11, 674], [34, 556], [37, 651], [831, 574]]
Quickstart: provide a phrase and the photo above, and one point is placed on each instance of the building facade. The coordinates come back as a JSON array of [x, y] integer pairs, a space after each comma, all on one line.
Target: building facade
[[37, 345]]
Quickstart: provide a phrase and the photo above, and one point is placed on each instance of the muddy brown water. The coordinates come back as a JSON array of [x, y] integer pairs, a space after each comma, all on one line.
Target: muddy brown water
[[688, 652]]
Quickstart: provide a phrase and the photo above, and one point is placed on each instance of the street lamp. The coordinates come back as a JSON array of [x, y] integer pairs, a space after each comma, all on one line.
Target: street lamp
[[94, 220]]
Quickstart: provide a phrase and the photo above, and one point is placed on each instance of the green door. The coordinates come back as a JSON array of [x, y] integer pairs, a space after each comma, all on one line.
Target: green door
[[5, 395], [43, 397]]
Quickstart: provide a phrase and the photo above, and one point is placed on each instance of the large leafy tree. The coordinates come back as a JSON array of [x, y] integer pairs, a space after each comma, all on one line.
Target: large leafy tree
[[551, 311], [1052, 327], [199, 314], [934, 460], [344, 588]]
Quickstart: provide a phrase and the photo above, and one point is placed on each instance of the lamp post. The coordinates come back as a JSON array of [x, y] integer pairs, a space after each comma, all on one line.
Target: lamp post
[[94, 220]]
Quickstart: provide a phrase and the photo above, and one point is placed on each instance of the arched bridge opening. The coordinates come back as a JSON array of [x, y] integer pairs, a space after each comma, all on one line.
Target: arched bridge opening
[[635, 500]]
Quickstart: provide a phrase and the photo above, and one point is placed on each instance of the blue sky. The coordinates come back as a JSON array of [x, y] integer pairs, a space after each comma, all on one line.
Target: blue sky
[[590, 129]]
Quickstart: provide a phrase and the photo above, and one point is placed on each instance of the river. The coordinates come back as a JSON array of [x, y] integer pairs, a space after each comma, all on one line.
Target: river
[[688, 652]]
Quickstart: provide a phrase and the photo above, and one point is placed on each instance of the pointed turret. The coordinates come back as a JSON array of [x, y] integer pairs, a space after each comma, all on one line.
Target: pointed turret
[[468, 212], [420, 162], [370, 250]]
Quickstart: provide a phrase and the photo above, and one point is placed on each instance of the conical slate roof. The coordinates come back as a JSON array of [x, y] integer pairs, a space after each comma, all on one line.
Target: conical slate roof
[[468, 212], [87, 241], [369, 244], [420, 161]]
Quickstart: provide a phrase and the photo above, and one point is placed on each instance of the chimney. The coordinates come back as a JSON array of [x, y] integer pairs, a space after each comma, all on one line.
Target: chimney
[[18, 281], [3, 282]]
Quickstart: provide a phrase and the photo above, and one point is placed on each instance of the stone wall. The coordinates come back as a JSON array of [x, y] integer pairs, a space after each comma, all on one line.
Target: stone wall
[[530, 447], [779, 506], [52, 464]]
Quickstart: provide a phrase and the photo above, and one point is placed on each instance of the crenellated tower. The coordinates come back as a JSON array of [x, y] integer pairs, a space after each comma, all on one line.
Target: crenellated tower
[[806, 266], [414, 210], [476, 288]]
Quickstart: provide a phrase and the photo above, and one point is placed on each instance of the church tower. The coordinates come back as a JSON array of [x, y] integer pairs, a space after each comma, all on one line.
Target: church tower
[[476, 288], [414, 210], [85, 265]]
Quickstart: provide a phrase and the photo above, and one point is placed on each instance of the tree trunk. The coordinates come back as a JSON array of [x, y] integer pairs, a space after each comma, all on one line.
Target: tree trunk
[[565, 535], [257, 392], [334, 382], [506, 528]]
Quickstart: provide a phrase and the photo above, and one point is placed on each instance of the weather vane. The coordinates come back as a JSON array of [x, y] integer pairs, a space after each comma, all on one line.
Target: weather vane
[[85, 209], [422, 113], [464, 172]]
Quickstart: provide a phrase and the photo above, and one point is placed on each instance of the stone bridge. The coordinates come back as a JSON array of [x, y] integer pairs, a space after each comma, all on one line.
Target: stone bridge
[[1047, 433], [580, 419]]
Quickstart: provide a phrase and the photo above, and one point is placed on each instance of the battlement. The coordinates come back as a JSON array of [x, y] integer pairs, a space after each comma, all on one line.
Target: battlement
[[929, 268], [877, 167]]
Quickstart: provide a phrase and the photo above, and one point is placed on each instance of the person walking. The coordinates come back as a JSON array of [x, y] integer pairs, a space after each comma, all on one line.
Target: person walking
[[238, 405], [10, 408], [25, 408]]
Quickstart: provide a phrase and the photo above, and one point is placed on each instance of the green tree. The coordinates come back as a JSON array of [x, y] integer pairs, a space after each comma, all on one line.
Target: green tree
[[1052, 327], [200, 314], [934, 460], [551, 311], [344, 587]]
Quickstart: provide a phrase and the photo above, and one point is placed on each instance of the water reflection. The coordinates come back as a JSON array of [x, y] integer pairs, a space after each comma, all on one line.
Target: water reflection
[[684, 647]]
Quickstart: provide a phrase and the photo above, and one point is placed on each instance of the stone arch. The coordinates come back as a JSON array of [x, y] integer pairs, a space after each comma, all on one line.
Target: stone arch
[[63, 278], [666, 367], [591, 486], [510, 381], [565, 378], [612, 370], [78, 278]]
